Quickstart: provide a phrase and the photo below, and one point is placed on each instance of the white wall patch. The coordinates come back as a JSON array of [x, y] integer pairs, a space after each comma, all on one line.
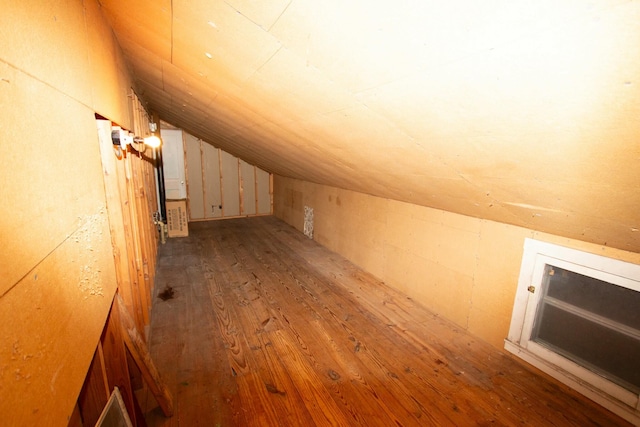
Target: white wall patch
[[308, 222]]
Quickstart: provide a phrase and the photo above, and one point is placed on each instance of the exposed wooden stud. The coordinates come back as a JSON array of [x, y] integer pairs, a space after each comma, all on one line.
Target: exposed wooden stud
[[143, 307], [102, 363], [188, 182], [271, 191], [143, 217], [205, 203], [147, 202], [152, 206], [116, 213], [255, 187], [184, 152], [128, 225], [129, 205], [76, 419], [221, 181], [95, 391], [240, 187], [115, 356], [140, 354]]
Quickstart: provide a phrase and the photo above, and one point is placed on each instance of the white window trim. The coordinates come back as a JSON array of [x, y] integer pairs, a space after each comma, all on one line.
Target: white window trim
[[536, 254]]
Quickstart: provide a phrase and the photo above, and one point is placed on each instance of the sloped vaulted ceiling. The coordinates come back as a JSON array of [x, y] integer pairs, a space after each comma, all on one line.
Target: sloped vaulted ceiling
[[524, 112]]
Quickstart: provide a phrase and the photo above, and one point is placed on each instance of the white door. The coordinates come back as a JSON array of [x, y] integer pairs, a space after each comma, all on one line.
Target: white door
[[173, 160]]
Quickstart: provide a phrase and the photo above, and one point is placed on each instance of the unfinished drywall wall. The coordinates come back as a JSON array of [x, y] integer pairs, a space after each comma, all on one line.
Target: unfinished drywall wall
[[59, 64], [222, 185], [195, 184], [462, 268]]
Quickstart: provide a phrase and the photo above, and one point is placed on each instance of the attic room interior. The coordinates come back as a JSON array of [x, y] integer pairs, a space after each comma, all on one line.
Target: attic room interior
[[361, 213]]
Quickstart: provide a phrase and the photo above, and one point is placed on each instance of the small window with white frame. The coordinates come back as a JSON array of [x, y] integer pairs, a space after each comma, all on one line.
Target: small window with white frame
[[576, 317]]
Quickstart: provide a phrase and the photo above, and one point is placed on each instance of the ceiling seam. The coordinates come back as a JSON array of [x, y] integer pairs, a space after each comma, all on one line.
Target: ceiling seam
[[280, 16], [242, 14], [257, 70]]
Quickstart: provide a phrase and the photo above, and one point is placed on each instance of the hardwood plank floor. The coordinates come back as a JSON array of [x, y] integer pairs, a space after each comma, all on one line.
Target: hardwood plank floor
[[267, 328]]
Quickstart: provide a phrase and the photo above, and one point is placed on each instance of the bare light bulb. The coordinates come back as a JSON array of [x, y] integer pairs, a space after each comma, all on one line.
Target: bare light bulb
[[152, 141]]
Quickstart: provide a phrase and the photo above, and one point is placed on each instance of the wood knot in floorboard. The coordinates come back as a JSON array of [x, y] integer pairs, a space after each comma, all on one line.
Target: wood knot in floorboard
[[333, 375], [273, 389]]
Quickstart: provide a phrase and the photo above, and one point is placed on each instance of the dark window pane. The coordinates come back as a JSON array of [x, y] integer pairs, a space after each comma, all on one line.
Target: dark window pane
[[610, 353], [605, 299]]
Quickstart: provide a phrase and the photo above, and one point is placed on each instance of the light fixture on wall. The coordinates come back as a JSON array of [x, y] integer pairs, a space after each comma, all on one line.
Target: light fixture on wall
[[152, 141], [121, 138]]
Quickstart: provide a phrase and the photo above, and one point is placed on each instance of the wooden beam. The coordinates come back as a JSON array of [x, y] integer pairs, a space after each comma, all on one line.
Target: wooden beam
[[143, 308], [255, 188], [145, 234], [118, 222], [271, 191], [240, 187], [115, 356], [141, 356], [128, 220], [76, 419], [205, 201], [95, 391], [221, 182]]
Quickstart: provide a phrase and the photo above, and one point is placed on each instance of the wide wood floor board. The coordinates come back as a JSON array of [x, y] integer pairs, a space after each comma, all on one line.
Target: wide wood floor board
[[260, 326]]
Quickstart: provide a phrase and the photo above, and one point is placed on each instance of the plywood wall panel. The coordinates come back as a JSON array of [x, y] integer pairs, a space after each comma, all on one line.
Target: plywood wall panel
[[60, 305], [367, 248], [462, 268], [107, 70], [42, 202], [499, 256], [57, 274], [398, 230], [43, 25]]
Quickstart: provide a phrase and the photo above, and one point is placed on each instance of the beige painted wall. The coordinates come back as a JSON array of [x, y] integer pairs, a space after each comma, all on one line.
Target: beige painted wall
[[463, 268], [59, 63]]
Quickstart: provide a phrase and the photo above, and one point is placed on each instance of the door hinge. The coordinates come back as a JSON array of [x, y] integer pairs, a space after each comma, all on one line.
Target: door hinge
[[532, 289]]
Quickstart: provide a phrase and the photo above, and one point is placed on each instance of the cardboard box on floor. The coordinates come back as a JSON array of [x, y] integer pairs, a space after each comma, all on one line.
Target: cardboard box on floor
[[177, 218]]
